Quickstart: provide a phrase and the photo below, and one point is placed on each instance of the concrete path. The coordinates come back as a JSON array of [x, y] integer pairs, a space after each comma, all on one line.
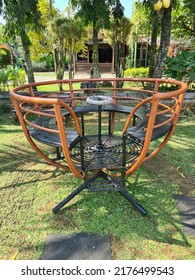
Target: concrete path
[[39, 76]]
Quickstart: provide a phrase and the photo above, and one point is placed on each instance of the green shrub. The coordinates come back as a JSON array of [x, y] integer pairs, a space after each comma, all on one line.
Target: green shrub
[[189, 110], [48, 60], [5, 58], [3, 79], [106, 84], [17, 77], [181, 67], [40, 66], [137, 72], [12, 76], [44, 63], [5, 108]]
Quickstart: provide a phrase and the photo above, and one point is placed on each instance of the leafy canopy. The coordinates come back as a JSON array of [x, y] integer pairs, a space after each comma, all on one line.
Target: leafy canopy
[[98, 11], [20, 15]]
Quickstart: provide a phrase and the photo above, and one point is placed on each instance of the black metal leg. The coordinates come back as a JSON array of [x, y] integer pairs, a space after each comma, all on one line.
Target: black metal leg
[[124, 151], [68, 198], [82, 124], [109, 123], [133, 201], [58, 153], [82, 155], [134, 120]]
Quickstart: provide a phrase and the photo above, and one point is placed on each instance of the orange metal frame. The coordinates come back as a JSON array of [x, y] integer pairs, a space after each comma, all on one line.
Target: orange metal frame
[[51, 104]]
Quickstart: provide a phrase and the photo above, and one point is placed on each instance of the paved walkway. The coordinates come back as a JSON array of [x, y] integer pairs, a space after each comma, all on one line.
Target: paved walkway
[[39, 76]]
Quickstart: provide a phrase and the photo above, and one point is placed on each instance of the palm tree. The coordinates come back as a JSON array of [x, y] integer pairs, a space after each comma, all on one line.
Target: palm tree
[[117, 36], [58, 31], [68, 37]]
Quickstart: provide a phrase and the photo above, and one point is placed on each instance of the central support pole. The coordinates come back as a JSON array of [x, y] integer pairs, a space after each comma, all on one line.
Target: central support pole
[[99, 144]]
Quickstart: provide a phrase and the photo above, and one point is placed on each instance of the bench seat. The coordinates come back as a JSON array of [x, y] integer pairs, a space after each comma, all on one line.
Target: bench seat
[[50, 138], [139, 132], [53, 139]]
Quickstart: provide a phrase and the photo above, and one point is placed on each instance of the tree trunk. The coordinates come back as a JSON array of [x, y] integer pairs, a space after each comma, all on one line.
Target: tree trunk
[[25, 44], [153, 49], [123, 60], [95, 55], [59, 62], [29, 69], [119, 62], [113, 60], [55, 56], [117, 59], [74, 63], [71, 67], [164, 43]]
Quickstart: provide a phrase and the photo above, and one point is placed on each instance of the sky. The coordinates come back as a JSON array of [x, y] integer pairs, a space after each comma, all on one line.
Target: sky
[[127, 4]]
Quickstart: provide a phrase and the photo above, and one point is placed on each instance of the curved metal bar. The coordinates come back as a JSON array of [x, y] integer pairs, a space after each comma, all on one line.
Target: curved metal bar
[[159, 148], [147, 140], [168, 109], [168, 136], [63, 139], [139, 105], [165, 122], [32, 143]]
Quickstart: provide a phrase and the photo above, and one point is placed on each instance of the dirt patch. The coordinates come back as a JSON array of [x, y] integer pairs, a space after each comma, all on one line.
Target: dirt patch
[[118, 247], [159, 168]]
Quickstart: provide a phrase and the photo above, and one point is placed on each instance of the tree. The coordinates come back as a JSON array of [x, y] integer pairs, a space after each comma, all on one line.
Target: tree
[[120, 26], [140, 30], [96, 13], [161, 20], [58, 30], [185, 16], [41, 42], [75, 37], [117, 36], [68, 37], [164, 42], [20, 15]]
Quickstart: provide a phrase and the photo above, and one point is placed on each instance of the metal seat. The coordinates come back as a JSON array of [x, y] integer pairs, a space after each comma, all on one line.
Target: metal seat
[[139, 131], [48, 137]]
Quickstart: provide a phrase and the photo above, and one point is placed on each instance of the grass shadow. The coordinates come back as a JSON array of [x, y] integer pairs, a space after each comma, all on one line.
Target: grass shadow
[[30, 189]]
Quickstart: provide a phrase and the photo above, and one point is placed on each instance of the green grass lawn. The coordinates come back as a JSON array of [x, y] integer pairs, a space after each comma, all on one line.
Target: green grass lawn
[[53, 87], [29, 188]]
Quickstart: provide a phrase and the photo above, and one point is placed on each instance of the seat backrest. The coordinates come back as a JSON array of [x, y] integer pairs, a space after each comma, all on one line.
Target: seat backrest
[[162, 116], [41, 118]]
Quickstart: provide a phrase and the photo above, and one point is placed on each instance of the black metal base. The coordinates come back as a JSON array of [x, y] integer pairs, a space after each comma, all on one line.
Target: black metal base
[[105, 184], [133, 201], [68, 198]]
